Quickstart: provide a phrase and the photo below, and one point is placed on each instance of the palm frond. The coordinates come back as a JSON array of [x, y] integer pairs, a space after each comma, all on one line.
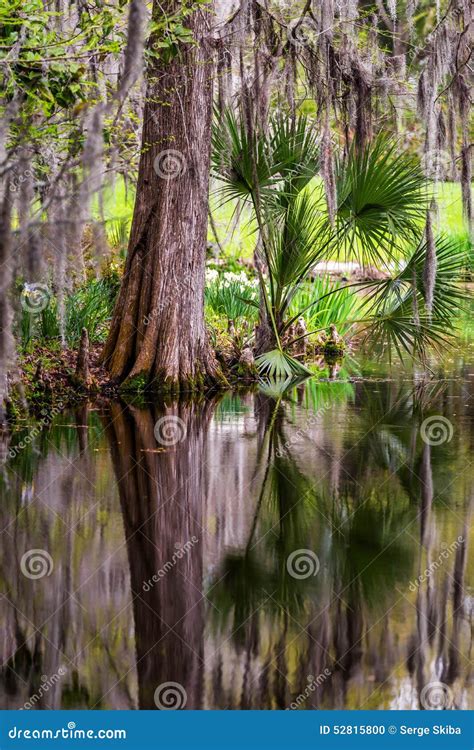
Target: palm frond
[[382, 200], [279, 364], [296, 240], [294, 147], [277, 388], [390, 305], [448, 296], [286, 157], [240, 165]]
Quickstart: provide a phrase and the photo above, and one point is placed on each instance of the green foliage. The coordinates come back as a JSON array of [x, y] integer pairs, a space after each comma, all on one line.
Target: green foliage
[[389, 306], [382, 198], [168, 32], [233, 299], [279, 364], [48, 323], [323, 302], [45, 69], [90, 307], [381, 202], [118, 231]]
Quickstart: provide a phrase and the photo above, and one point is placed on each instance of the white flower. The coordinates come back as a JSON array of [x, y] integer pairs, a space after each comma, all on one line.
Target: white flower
[[211, 275]]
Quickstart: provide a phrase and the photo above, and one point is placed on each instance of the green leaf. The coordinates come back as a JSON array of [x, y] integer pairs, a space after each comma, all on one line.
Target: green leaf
[[279, 364], [382, 201]]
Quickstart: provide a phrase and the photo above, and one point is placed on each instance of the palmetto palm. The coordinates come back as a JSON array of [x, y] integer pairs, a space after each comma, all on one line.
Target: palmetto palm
[[381, 204], [389, 316]]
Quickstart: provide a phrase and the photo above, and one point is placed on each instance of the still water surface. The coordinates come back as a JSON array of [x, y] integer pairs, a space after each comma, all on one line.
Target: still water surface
[[305, 550]]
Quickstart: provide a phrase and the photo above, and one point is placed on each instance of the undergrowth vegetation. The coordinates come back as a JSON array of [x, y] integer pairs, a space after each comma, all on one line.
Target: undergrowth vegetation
[[279, 312]]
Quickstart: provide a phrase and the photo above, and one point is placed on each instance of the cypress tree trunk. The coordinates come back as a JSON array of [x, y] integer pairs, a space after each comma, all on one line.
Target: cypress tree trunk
[[160, 518], [158, 336]]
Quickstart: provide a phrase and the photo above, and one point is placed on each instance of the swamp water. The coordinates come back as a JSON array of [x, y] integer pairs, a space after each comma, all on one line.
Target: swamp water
[[259, 551]]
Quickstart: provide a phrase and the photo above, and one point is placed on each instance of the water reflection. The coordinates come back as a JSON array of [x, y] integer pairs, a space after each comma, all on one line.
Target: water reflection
[[302, 548]]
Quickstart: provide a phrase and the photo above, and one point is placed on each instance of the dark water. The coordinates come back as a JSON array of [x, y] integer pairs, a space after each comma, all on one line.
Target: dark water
[[273, 557]]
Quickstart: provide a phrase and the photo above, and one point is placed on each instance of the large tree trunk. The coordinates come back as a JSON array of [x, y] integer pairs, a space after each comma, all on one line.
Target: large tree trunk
[[158, 335], [165, 542]]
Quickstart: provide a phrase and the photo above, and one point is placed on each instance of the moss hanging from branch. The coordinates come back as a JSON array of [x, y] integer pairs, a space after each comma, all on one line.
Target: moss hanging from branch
[[429, 271], [7, 349]]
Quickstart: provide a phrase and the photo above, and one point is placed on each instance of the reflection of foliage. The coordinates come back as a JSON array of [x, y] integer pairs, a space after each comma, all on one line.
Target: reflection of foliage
[[75, 695], [320, 395], [229, 407], [390, 442], [361, 537], [371, 553], [60, 435], [283, 522]]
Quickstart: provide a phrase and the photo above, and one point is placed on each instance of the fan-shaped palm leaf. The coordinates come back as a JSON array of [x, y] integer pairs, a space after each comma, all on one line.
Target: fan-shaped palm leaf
[[382, 201], [391, 303], [276, 165], [279, 364], [241, 166]]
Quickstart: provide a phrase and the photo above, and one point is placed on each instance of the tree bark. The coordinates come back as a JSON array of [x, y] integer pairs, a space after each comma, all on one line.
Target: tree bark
[[83, 376], [162, 516], [158, 336]]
